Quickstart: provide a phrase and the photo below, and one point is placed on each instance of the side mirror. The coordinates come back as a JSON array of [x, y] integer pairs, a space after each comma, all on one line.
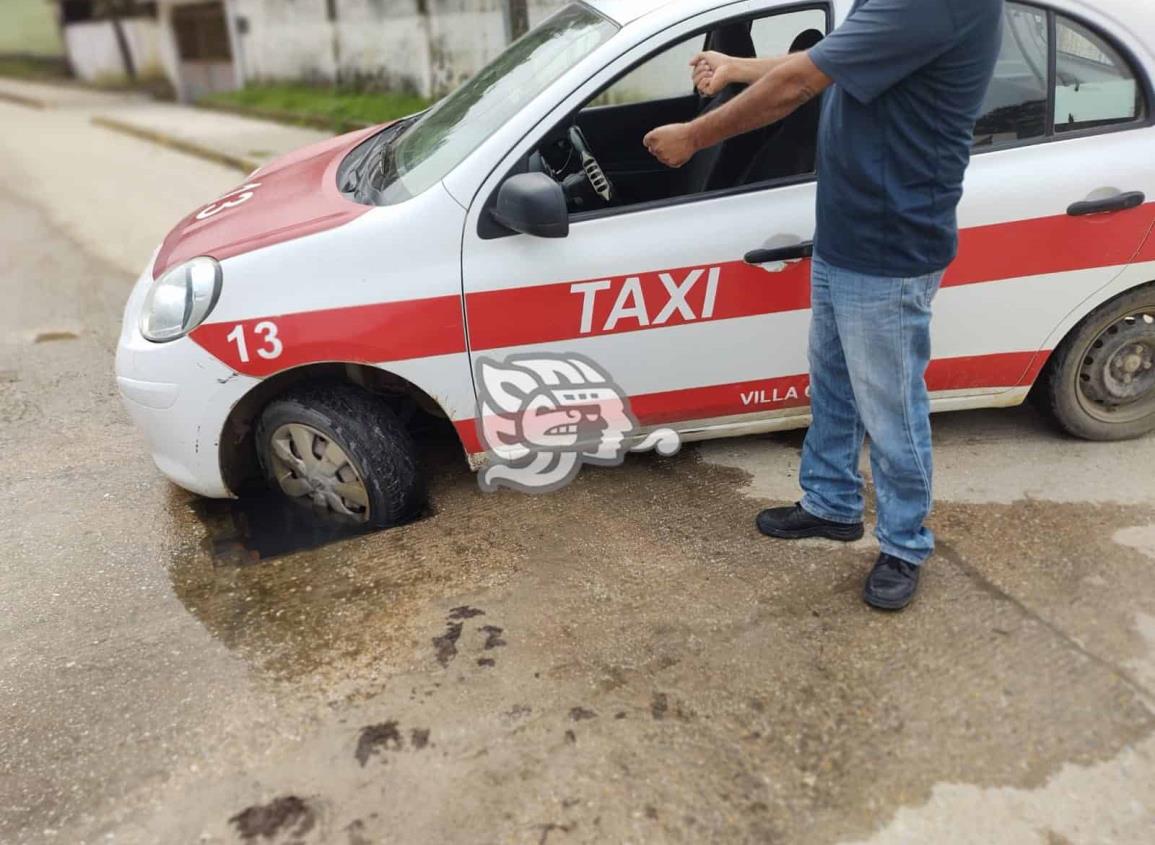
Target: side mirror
[[533, 204]]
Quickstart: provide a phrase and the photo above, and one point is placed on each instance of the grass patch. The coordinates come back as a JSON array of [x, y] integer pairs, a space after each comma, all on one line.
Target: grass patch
[[28, 26], [330, 108], [32, 67]]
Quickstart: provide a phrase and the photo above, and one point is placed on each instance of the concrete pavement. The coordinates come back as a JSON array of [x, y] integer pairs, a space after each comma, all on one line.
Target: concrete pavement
[[235, 141], [241, 143], [623, 661]]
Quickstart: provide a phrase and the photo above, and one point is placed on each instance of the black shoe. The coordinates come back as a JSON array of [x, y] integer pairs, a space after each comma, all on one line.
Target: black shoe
[[794, 523], [892, 583]]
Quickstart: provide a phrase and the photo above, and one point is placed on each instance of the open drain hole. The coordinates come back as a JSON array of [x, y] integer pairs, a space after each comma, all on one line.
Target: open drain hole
[[265, 525]]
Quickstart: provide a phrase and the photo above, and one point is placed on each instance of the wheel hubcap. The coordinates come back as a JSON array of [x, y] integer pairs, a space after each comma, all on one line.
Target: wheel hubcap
[[310, 467], [1117, 377]]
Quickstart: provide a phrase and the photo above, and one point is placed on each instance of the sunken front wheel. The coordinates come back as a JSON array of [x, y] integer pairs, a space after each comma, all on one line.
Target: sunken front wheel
[[341, 450], [1100, 383]]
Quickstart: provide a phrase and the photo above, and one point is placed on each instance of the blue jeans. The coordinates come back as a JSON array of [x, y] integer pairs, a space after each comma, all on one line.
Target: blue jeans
[[869, 349]]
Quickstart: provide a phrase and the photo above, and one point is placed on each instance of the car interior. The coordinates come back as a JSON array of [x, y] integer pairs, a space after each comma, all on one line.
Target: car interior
[[599, 159]]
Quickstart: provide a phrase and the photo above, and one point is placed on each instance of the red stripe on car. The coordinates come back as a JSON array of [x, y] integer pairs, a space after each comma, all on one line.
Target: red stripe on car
[[571, 310], [567, 311], [365, 334]]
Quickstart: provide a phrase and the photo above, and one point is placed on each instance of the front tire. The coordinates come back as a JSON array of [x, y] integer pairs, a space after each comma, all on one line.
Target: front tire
[[1100, 383], [343, 451]]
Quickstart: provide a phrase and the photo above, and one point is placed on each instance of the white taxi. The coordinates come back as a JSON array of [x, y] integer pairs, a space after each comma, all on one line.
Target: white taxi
[[280, 331]]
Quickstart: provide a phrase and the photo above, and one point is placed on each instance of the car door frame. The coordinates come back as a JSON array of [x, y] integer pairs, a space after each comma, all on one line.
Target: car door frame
[[1141, 267], [644, 48], [642, 51]]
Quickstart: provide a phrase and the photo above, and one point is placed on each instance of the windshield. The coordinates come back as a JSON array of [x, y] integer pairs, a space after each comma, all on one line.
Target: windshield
[[452, 129]]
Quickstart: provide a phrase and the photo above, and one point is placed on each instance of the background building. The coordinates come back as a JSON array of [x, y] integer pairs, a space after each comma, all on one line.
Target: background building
[[201, 46]]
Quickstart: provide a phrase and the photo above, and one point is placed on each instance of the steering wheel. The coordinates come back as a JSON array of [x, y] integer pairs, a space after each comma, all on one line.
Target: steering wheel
[[594, 173]]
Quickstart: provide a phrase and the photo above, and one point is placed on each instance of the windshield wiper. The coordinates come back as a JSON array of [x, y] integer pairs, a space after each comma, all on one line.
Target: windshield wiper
[[353, 174]]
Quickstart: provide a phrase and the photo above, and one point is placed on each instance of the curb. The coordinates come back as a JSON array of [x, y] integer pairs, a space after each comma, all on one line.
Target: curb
[[245, 165], [309, 121], [21, 100]]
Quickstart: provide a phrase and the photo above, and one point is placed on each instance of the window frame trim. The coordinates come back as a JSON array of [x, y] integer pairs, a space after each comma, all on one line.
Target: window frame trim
[[1051, 136]]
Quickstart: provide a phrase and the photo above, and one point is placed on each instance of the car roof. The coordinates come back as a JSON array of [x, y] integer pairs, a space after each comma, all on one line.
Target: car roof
[[1126, 13], [624, 11]]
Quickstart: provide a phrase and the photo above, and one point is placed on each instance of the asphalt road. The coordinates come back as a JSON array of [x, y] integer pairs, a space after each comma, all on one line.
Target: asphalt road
[[623, 661]]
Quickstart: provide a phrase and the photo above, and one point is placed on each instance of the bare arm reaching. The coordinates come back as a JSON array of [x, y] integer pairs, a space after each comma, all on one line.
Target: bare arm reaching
[[793, 82], [712, 71]]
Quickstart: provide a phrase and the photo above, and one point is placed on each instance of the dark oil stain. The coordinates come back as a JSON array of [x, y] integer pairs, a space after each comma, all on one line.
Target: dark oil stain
[[660, 705], [579, 714], [492, 636], [486, 661], [289, 813], [377, 739], [445, 645], [465, 612], [570, 737], [419, 738], [661, 708]]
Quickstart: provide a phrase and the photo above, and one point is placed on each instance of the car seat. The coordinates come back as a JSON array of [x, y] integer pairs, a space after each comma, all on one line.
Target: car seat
[[722, 165], [790, 147]]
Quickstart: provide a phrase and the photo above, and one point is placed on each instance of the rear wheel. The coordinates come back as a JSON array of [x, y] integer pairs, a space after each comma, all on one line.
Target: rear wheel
[[1100, 383], [341, 450]]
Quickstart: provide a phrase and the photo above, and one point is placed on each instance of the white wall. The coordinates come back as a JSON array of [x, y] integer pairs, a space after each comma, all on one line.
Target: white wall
[[96, 56], [390, 41]]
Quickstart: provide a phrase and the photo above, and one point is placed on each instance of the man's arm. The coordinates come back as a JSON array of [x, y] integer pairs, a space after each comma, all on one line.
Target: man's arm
[[790, 84], [713, 71]]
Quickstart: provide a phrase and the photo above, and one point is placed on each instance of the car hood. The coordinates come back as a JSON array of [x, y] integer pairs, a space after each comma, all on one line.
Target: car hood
[[292, 196]]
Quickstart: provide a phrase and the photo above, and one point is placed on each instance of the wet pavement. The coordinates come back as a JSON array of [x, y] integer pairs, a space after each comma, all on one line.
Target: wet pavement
[[623, 661]]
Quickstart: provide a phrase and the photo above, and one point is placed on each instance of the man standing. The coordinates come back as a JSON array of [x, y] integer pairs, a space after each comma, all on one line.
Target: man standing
[[909, 78]]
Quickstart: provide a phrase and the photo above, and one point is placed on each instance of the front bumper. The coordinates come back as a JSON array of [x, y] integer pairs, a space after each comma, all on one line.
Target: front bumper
[[179, 397]]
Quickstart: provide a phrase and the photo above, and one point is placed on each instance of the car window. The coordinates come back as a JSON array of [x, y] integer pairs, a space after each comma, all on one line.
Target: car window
[[773, 36], [667, 74], [1015, 108], [456, 126], [1094, 85], [1089, 83]]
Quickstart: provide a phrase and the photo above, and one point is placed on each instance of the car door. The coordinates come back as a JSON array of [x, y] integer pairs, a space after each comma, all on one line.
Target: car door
[[658, 294], [1055, 206]]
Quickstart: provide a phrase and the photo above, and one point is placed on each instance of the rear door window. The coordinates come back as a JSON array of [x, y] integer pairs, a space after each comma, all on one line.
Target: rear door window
[[1094, 84], [1016, 105], [1055, 75]]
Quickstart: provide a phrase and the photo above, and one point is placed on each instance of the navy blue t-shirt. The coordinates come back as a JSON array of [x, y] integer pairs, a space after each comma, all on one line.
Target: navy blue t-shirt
[[896, 132]]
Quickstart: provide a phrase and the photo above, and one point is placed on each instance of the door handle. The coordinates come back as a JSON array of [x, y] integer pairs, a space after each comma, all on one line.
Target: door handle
[[1119, 202], [782, 253]]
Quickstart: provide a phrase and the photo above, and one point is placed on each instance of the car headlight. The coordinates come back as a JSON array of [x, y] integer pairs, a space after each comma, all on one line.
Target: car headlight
[[180, 300]]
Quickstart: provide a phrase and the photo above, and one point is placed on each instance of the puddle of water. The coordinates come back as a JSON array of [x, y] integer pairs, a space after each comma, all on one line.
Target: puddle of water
[[264, 526]]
